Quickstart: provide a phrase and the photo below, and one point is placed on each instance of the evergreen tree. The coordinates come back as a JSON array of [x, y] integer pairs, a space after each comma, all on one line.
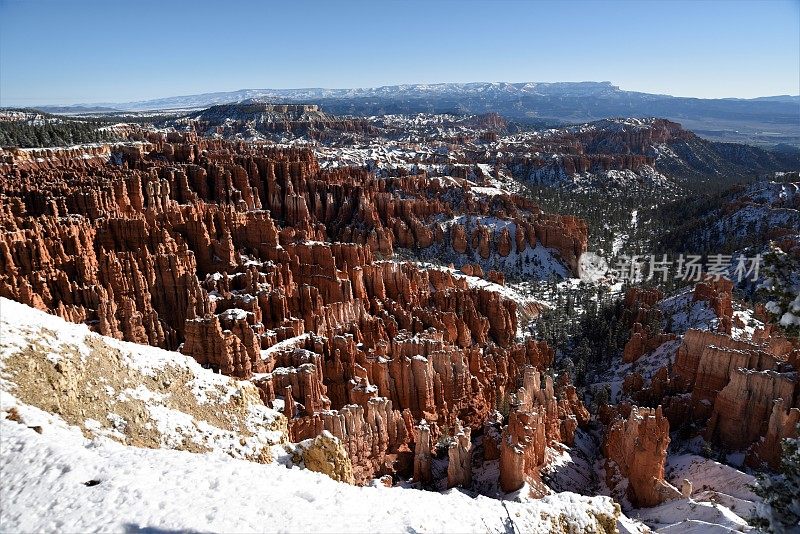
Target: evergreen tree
[[780, 511]]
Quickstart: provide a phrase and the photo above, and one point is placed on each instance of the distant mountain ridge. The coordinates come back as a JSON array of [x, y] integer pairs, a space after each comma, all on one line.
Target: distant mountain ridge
[[561, 89], [766, 120]]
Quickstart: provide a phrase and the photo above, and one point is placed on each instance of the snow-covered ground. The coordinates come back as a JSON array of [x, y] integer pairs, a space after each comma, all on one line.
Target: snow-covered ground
[[59, 481], [714, 482], [575, 468], [80, 472], [621, 239], [647, 365], [682, 312], [527, 306], [537, 263], [721, 500], [687, 515]]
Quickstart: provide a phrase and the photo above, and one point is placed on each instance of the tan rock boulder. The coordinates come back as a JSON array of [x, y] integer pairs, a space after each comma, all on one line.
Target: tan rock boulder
[[325, 454]]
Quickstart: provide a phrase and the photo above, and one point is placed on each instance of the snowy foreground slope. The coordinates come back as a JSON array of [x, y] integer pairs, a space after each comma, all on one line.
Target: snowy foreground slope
[[76, 473], [45, 488]]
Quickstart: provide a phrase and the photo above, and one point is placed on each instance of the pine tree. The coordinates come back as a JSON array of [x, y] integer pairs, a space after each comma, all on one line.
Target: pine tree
[[780, 511]]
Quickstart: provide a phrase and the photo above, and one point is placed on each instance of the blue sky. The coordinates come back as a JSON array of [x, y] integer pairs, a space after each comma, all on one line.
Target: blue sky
[[64, 51]]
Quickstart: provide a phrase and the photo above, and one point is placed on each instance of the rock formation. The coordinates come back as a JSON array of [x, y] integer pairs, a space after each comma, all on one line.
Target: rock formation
[[536, 419], [459, 453], [325, 454], [640, 309], [718, 295], [636, 449], [422, 453], [742, 393], [262, 266], [782, 424]]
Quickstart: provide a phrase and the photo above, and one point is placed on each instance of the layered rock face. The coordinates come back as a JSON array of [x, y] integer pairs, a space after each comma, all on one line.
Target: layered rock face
[[636, 449], [741, 394], [262, 266], [782, 424], [744, 393], [536, 419], [606, 145], [745, 403]]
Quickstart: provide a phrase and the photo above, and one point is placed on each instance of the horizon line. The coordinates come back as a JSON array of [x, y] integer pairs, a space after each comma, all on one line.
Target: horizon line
[[374, 87]]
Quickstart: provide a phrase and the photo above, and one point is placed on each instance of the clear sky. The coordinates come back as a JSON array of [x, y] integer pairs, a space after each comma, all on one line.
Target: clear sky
[[61, 52]]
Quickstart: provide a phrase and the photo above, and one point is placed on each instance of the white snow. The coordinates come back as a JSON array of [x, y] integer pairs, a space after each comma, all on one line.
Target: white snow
[[233, 314], [22, 323], [646, 365], [621, 239], [682, 312], [280, 346], [44, 489], [687, 515], [789, 319], [481, 283], [720, 502], [706, 474], [177, 425]]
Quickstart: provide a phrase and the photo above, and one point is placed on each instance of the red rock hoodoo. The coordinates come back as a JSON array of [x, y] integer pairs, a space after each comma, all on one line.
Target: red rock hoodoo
[[636, 449], [260, 265]]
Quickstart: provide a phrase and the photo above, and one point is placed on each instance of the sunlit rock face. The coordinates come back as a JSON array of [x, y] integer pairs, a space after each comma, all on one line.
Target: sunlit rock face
[[636, 449], [740, 392]]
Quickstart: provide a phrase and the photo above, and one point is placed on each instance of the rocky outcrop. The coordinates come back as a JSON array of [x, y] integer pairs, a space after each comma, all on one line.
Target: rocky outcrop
[[422, 453], [627, 145], [84, 157], [782, 425], [748, 401], [536, 418], [522, 448], [325, 454], [705, 362], [642, 342], [374, 437], [718, 294], [120, 391], [642, 314], [253, 119], [459, 454], [459, 238], [636, 449], [743, 393]]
